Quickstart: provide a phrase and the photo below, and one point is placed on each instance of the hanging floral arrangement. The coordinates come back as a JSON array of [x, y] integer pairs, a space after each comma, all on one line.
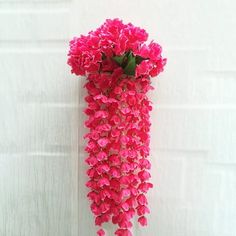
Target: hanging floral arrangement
[[118, 65]]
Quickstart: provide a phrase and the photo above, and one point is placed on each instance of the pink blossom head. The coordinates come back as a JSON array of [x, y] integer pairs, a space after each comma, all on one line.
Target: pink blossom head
[[109, 46]]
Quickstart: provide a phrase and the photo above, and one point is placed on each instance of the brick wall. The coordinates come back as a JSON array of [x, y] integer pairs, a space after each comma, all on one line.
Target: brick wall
[[38, 121]]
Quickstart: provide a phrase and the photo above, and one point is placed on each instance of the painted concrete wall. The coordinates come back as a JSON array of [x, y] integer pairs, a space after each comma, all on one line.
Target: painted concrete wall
[[193, 149]]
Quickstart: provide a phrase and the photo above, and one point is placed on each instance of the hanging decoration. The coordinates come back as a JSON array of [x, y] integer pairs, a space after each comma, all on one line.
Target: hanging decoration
[[118, 65]]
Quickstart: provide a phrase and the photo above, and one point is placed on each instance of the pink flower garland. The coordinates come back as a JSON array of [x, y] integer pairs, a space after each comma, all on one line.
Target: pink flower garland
[[118, 65]]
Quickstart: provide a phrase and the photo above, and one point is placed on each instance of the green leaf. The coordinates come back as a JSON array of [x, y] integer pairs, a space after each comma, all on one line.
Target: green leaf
[[139, 59], [131, 64], [119, 59]]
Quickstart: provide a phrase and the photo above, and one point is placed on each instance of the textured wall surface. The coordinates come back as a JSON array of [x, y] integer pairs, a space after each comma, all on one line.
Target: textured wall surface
[[42, 173]]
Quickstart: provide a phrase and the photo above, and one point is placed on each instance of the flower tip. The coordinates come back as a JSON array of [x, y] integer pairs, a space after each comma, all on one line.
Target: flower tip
[[123, 232], [101, 232], [142, 221]]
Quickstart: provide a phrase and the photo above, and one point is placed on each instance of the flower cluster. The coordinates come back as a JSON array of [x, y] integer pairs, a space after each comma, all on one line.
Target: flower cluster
[[99, 50], [118, 66]]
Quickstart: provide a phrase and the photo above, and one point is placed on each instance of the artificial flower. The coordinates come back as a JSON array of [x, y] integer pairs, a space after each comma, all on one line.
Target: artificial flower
[[118, 63]]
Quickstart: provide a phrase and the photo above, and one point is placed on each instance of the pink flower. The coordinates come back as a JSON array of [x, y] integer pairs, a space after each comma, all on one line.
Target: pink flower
[[92, 161], [101, 97], [131, 201], [132, 100], [91, 145], [142, 200], [115, 119], [115, 184], [105, 217], [101, 114], [132, 154], [123, 232], [103, 168], [134, 179], [144, 175], [105, 193], [116, 198], [101, 232], [111, 100], [121, 45], [118, 90], [142, 210], [115, 133], [104, 207], [124, 140], [115, 217], [124, 180], [125, 167], [144, 163], [142, 220], [114, 160], [125, 110], [115, 146], [154, 51], [88, 111], [101, 156], [125, 206], [134, 191], [103, 182], [81, 58], [144, 187], [125, 224], [91, 172], [130, 213], [98, 221], [143, 68], [93, 105], [94, 135], [95, 209], [125, 193], [93, 196], [144, 51], [124, 153], [158, 67], [103, 142], [115, 172], [104, 127], [143, 135], [91, 184]]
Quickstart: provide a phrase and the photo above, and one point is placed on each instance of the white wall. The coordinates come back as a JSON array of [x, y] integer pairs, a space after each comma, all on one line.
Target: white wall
[[42, 173]]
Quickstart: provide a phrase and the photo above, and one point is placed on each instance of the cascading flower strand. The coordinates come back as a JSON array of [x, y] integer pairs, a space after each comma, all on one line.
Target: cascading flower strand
[[118, 65]]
